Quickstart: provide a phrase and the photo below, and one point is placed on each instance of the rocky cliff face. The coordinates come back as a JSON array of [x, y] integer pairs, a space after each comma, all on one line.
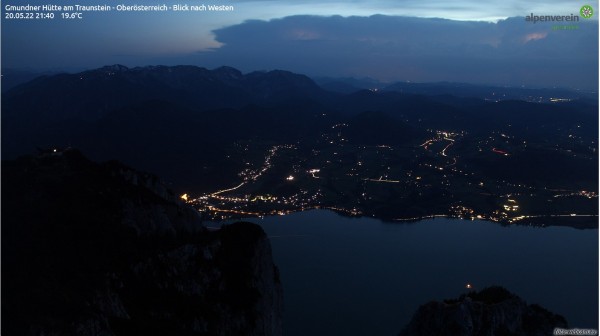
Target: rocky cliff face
[[101, 249], [492, 311]]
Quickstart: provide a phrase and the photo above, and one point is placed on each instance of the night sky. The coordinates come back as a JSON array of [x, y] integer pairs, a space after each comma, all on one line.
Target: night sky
[[460, 41]]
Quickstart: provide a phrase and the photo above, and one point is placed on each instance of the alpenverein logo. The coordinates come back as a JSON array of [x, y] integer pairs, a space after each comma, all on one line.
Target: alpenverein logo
[[586, 11]]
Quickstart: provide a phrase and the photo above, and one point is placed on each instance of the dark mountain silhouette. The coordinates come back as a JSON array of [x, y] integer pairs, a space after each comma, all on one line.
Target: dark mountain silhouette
[[90, 95], [104, 249], [14, 77], [491, 311]]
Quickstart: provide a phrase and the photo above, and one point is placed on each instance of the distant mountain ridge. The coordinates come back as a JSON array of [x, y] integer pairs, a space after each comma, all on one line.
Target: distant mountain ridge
[[14, 77], [490, 92], [91, 94], [465, 90]]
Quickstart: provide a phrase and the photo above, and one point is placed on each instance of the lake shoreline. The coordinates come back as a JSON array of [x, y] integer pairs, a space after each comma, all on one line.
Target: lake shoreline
[[373, 274]]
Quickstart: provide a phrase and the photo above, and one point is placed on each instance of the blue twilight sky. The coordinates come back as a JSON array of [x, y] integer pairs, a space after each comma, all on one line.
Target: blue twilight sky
[[465, 41]]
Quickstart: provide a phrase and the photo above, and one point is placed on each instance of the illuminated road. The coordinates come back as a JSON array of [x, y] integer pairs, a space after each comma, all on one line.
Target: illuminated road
[[443, 152], [227, 190]]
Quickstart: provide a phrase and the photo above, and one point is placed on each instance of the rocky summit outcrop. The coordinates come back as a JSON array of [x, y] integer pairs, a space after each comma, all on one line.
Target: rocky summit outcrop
[[493, 311], [101, 249]]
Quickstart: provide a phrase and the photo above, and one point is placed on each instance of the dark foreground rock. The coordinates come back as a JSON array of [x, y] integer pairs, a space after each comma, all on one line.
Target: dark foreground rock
[[493, 311], [101, 249]]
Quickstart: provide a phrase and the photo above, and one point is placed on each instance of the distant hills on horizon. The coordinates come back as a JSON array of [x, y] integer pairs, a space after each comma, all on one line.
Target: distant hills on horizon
[[15, 77]]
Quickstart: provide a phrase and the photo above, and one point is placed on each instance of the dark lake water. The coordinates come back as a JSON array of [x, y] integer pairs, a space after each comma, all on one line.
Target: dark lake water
[[360, 276]]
